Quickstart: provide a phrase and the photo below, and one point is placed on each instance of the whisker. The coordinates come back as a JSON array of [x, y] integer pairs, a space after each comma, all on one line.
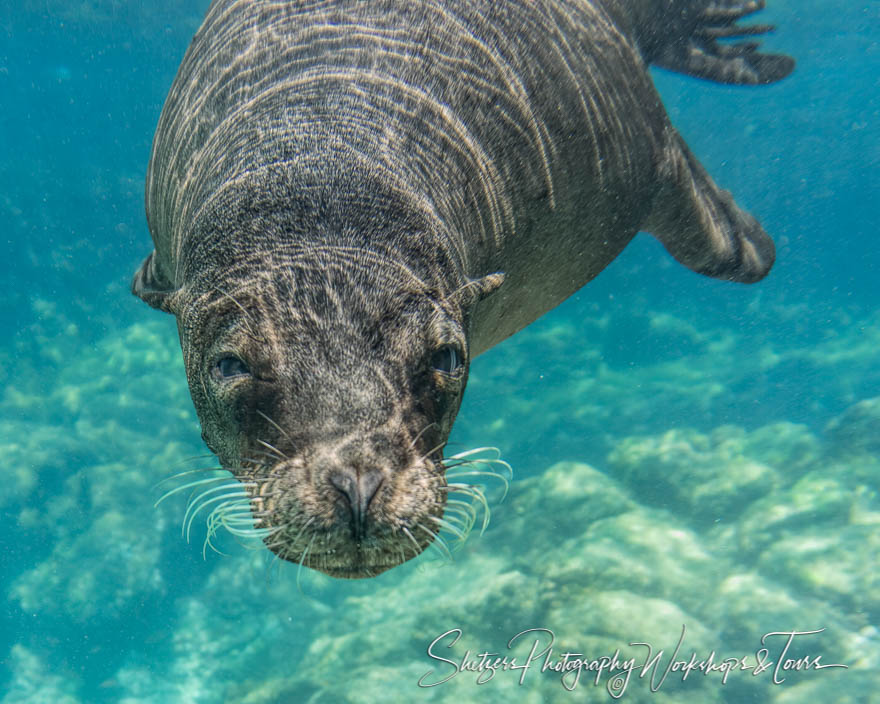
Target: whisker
[[448, 526], [452, 464], [237, 518], [249, 533], [438, 543], [476, 494], [478, 473], [464, 470], [464, 523], [187, 472], [258, 464], [418, 550], [198, 470], [229, 500], [274, 449], [463, 464], [274, 424], [421, 432], [275, 560], [232, 514], [305, 525], [464, 505], [211, 532], [263, 453], [301, 561], [432, 451], [190, 485], [441, 544], [476, 451], [290, 546], [199, 504], [466, 518]]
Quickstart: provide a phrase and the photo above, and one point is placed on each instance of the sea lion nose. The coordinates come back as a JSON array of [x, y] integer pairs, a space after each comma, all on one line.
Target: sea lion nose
[[358, 487]]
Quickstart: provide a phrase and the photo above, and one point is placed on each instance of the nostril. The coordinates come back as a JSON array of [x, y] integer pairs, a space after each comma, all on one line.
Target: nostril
[[358, 488], [347, 485], [369, 483]]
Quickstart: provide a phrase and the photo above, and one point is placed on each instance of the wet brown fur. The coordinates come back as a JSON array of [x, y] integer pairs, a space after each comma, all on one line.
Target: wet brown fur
[[335, 188]]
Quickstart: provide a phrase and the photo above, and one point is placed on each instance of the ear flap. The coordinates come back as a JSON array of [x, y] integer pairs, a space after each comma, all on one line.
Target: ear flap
[[476, 290], [489, 284], [151, 286]]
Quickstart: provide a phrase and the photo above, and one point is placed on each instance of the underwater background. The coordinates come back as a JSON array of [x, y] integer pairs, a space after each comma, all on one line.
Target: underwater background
[[693, 460]]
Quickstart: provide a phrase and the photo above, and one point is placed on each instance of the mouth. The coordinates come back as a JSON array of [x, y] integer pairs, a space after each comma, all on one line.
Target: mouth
[[352, 571], [314, 526], [326, 524], [356, 560]]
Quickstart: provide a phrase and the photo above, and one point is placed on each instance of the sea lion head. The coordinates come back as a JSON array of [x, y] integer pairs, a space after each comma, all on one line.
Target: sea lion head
[[328, 381]]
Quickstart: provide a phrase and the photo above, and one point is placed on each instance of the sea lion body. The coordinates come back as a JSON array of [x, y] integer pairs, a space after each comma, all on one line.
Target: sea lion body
[[337, 189]]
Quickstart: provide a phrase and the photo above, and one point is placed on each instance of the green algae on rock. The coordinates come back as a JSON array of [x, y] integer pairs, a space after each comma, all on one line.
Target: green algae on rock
[[857, 429], [712, 477], [35, 681]]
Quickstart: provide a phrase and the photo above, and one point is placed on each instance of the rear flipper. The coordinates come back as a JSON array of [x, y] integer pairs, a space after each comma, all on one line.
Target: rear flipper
[[701, 225], [682, 36]]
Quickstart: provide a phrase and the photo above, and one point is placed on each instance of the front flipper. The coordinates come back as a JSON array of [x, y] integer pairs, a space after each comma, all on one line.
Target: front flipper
[[688, 43], [701, 225]]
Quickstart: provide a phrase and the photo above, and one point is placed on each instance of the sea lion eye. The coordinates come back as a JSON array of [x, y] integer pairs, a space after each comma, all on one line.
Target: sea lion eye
[[447, 359], [229, 367]]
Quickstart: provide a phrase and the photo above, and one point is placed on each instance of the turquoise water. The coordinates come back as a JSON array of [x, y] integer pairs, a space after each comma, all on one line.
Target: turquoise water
[[687, 453]]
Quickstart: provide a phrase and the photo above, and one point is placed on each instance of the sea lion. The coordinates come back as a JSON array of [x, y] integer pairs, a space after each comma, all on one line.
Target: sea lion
[[351, 199]]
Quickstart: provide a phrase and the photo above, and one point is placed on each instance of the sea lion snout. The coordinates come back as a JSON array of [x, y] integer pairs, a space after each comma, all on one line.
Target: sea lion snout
[[351, 518]]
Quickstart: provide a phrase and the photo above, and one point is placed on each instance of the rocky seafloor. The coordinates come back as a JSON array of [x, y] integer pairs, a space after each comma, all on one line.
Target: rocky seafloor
[[618, 527]]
